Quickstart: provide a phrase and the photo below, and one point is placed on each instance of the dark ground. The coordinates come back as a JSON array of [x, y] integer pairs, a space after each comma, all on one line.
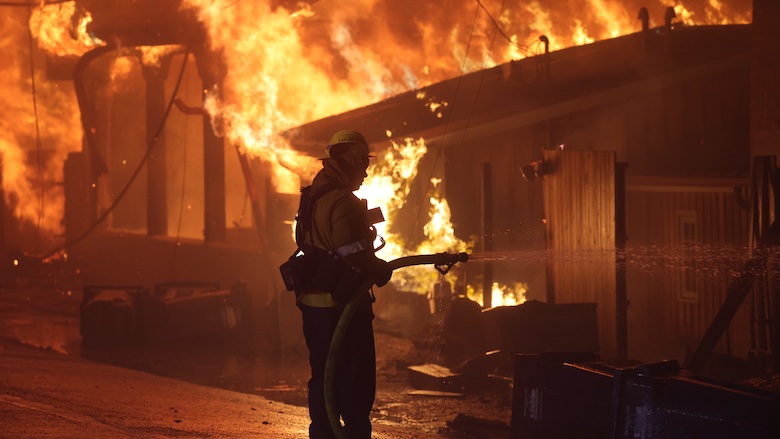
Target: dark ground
[[44, 313]]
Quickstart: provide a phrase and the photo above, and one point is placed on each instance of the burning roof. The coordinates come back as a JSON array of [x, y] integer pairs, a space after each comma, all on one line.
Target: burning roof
[[534, 89]]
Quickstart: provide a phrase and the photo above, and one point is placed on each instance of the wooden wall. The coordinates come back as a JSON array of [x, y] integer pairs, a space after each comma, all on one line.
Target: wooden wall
[[518, 230], [695, 126], [667, 319], [579, 204]]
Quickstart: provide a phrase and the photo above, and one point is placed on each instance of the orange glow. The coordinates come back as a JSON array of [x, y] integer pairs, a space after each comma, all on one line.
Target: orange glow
[[289, 67], [387, 186], [53, 27], [31, 173], [500, 295], [152, 55], [286, 68], [120, 70]]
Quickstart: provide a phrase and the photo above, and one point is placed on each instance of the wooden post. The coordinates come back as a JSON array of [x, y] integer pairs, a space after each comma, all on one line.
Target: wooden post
[[212, 70], [2, 210], [621, 294], [156, 193], [487, 234]]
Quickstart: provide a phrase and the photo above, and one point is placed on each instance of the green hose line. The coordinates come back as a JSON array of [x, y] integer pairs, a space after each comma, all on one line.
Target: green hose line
[[331, 364]]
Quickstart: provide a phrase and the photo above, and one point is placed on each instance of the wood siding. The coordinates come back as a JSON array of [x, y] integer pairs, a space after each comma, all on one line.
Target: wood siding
[[579, 204], [662, 322]]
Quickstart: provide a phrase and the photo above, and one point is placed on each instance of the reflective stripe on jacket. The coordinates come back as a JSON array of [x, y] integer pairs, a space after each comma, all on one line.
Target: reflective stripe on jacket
[[339, 224], [318, 299]]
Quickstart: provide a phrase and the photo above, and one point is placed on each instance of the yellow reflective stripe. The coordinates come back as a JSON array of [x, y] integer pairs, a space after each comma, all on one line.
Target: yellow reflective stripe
[[319, 300], [346, 250]]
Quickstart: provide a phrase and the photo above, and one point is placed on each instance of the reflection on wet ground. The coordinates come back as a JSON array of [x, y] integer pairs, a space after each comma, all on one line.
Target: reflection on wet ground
[[211, 363], [48, 318], [41, 318], [52, 333]]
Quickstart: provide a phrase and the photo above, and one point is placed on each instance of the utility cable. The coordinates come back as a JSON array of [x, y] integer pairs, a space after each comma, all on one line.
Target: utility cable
[[449, 117], [30, 3], [482, 74], [144, 159], [498, 27], [473, 106], [38, 157]]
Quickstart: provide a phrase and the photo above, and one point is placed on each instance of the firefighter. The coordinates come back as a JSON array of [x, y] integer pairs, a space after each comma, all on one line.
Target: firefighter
[[333, 225]]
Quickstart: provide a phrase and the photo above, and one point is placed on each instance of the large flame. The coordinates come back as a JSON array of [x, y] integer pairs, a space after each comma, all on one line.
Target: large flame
[[388, 185], [287, 67], [36, 130], [57, 31]]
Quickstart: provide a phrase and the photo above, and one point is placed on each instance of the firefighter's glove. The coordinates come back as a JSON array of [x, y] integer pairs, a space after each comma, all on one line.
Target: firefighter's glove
[[382, 272]]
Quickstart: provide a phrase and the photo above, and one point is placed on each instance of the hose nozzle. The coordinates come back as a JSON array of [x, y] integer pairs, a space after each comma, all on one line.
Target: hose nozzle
[[441, 261], [447, 260]]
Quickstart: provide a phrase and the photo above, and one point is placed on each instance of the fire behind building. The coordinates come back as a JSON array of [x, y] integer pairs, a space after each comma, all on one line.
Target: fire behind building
[[625, 173]]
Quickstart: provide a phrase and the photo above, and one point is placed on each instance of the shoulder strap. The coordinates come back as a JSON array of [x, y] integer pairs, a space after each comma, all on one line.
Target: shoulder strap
[[304, 216]]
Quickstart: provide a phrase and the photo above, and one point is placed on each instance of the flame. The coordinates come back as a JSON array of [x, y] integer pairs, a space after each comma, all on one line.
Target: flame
[[53, 26], [276, 81], [500, 294], [120, 69], [32, 169], [289, 67], [581, 34], [387, 185], [273, 56], [153, 55]]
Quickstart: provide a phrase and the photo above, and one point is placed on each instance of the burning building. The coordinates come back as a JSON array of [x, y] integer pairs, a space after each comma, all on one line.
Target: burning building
[[185, 129]]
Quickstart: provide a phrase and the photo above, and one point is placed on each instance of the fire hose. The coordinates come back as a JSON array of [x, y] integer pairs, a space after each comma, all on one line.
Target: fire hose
[[441, 261]]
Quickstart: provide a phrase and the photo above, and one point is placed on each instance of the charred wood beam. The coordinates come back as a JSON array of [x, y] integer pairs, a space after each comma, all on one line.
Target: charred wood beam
[[212, 70], [156, 201], [487, 234], [621, 275], [87, 108]]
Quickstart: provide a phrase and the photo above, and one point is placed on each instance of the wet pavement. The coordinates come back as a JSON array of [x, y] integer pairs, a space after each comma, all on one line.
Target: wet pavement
[[47, 394], [51, 387]]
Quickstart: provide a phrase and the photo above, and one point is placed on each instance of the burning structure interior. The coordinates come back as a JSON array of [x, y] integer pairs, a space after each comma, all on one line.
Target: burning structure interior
[[635, 173]]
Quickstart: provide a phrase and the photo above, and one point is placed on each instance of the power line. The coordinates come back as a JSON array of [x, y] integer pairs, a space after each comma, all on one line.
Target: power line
[[498, 27], [30, 3], [41, 192]]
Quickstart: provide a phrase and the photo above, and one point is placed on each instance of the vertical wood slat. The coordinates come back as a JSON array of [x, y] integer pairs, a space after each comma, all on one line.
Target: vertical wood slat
[[720, 222], [580, 212]]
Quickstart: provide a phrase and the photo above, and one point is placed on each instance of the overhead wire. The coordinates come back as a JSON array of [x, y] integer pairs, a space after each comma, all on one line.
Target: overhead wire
[[137, 170], [457, 87], [482, 74], [38, 152], [498, 27], [449, 116], [30, 3]]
